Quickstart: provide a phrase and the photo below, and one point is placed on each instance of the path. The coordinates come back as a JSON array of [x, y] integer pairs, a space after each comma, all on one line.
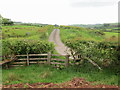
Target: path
[[60, 47]]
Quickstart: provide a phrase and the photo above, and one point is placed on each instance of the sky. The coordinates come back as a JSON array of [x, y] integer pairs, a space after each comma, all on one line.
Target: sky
[[61, 12]]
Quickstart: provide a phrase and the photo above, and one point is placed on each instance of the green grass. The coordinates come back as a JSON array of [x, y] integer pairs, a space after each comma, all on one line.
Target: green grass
[[87, 35], [111, 36], [79, 35], [44, 73], [26, 32]]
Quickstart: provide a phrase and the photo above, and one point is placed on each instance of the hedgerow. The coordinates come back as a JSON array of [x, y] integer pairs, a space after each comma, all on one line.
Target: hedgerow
[[10, 47], [104, 53]]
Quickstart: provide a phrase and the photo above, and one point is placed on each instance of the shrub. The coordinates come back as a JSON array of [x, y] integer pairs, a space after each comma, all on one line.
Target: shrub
[[101, 52]]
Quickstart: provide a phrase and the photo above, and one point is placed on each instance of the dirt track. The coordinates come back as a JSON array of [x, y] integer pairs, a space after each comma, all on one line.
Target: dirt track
[[60, 47]]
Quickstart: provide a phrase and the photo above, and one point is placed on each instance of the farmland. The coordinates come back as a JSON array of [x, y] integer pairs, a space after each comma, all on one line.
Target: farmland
[[22, 39], [26, 32]]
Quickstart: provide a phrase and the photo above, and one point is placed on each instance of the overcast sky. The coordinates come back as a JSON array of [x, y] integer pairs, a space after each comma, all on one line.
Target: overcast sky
[[62, 12]]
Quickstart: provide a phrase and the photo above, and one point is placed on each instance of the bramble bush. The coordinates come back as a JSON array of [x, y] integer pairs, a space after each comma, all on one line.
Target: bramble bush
[[10, 47]]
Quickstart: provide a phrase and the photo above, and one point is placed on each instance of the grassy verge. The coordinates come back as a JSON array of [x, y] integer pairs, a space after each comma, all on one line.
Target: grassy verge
[[44, 73]]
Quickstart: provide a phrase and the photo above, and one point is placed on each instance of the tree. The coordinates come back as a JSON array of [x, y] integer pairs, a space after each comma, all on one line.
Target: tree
[[6, 21]]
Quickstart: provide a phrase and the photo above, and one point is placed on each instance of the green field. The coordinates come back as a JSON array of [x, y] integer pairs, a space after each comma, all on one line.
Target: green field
[[26, 32], [83, 34]]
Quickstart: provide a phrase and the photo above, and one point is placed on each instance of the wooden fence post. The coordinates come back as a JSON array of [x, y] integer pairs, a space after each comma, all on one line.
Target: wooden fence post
[[67, 61], [49, 58], [27, 59]]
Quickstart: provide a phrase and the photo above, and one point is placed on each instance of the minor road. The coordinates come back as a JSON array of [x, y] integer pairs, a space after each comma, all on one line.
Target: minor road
[[59, 46]]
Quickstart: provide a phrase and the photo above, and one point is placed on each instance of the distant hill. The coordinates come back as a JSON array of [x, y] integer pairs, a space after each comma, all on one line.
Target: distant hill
[[30, 24], [98, 26]]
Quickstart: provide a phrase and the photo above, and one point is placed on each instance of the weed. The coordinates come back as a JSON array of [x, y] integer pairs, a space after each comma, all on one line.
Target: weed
[[46, 74], [13, 77]]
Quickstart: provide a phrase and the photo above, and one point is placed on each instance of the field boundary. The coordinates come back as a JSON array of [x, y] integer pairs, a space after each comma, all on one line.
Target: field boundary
[[48, 58], [28, 59]]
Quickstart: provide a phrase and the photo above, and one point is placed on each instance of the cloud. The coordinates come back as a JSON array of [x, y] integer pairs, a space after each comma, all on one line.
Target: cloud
[[92, 4]]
